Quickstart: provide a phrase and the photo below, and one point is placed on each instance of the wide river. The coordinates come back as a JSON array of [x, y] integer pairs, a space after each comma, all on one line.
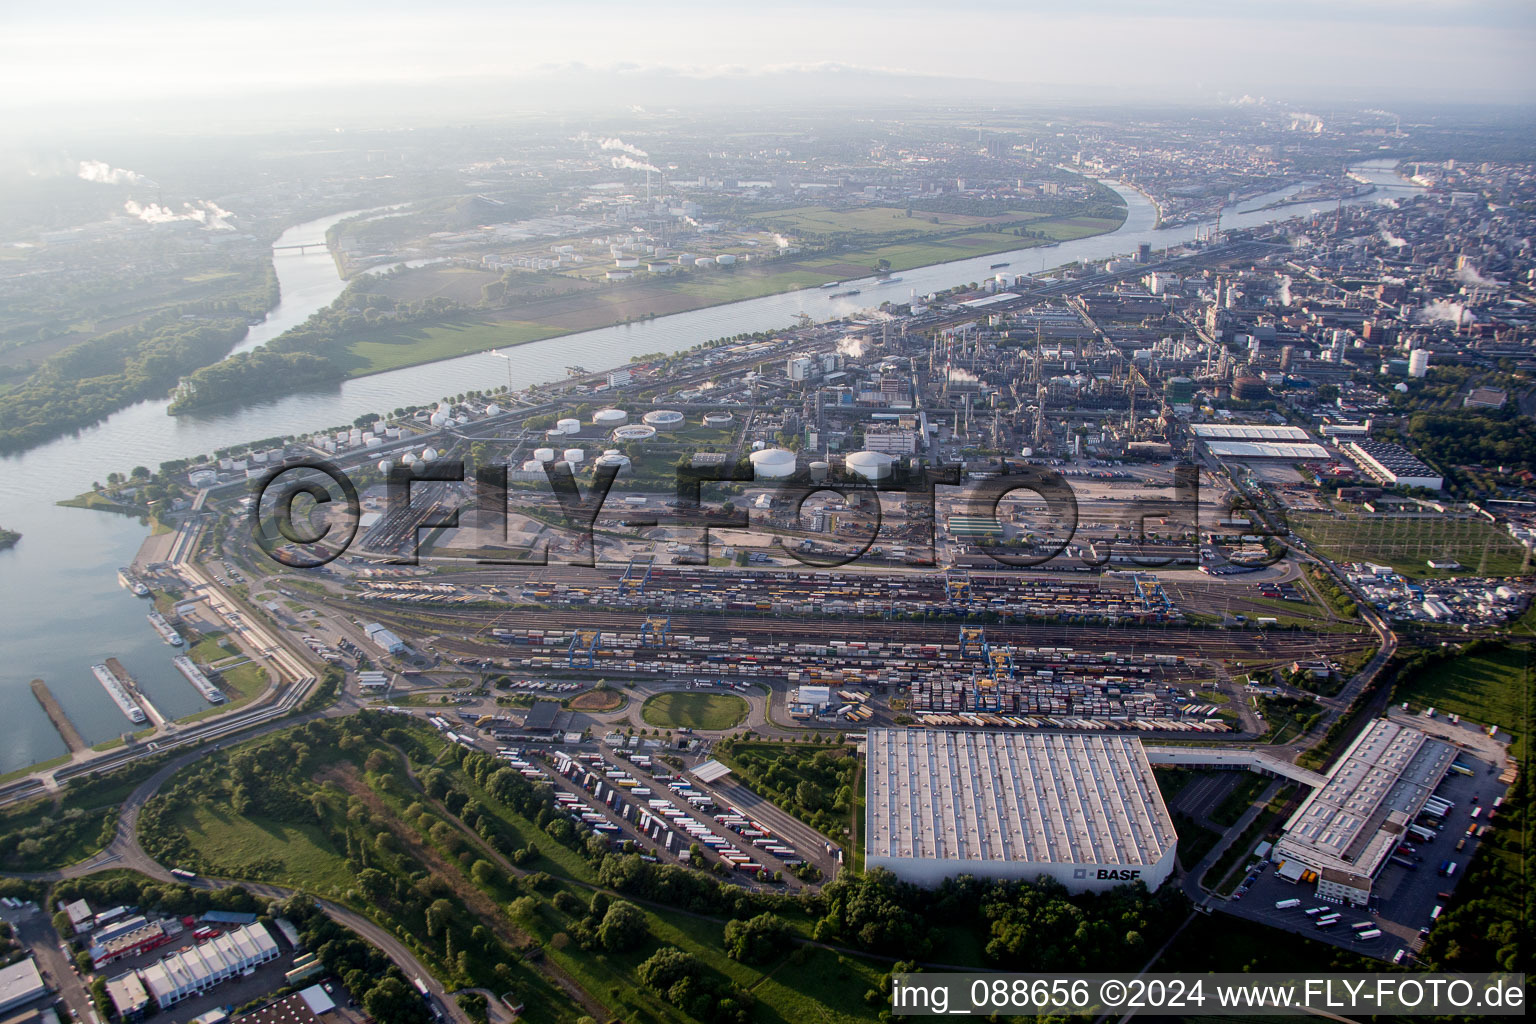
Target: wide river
[[61, 609]]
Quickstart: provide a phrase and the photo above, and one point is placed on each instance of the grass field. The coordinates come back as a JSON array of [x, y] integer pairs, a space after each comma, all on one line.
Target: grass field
[[1408, 544], [250, 847], [590, 306], [694, 710], [598, 700], [1493, 688]]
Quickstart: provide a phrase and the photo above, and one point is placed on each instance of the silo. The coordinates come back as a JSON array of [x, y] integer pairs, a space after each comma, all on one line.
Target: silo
[[544, 454], [569, 425], [772, 463], [869, 465], [574, 455]]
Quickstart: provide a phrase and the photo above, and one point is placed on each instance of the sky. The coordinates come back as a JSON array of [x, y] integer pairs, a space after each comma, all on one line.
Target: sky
[[95, 55]]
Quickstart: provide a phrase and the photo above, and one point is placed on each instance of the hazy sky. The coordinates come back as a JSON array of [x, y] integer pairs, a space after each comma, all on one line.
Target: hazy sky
[[1303, 51]]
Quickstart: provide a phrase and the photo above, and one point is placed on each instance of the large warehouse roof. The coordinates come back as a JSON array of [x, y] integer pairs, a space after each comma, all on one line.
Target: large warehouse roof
[[1247, 432], [1007, 796], [1265, 450], [1377, 789], [20, 983]]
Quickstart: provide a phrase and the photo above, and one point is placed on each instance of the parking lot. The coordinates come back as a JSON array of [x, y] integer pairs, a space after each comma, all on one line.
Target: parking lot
[[1402, 899]]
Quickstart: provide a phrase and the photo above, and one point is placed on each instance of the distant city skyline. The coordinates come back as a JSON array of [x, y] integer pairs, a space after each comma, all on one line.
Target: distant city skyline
[[1364, 51]]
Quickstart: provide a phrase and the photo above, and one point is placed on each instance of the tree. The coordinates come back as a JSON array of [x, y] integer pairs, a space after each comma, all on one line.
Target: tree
[[756, 940], [666, 967], [391, 1002], [623, 927]]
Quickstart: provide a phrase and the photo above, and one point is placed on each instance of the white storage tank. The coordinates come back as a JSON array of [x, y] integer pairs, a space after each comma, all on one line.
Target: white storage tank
[[493, 409], [574, 455], [392, 432], [634, 432], [385, 466], [533, 466], [429, 455], [610, 417], [869, 465], [819, 472], [662, 419], [544, 454], [438, 419], [612, 457], [725, 259], [569, 425], [772, 463], [408, 459]]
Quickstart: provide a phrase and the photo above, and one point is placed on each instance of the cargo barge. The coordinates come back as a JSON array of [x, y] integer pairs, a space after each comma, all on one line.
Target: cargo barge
[[165, 629], [187, 667], [132, 582], [119, 694]]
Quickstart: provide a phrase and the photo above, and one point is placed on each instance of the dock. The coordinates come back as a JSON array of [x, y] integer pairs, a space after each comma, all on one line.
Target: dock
[[165, 629], [137, 695], [67, 731]]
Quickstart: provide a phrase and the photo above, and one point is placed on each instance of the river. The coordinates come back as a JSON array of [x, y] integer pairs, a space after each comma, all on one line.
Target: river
[[61, 608]]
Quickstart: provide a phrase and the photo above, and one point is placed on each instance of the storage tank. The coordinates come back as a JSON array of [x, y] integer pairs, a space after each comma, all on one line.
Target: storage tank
[[392, 432], [429, 455], [544, 454], [869, 465], [772, 463], [575, 455], [385, 466], [408, 459], [634, 432], [819, 472], [533, 466], [718, 419], [569, 425], [662, 419], [612, 457], [493, 409], [704, 261], [610, 417], [438, 419], [725, 259]]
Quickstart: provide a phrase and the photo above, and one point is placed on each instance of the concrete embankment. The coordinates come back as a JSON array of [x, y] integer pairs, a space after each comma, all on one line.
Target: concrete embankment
[[56, 715]]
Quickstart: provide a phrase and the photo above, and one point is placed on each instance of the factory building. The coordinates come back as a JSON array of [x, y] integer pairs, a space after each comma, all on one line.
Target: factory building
[[1083, 810], [1347, 830], [385, 639], [20, 984]]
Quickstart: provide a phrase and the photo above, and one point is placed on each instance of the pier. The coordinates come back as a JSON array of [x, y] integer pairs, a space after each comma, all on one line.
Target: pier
[[67, 731], [136, 694]]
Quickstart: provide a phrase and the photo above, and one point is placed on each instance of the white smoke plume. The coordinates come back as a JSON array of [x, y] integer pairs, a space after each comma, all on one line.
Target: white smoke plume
[[1392, 240], [853, 348], [630, 163], [203, 212], [959, 373], [1283, 293], [1443, 311], [781, 241], [105, 174], [1469, 276], [622, 147]]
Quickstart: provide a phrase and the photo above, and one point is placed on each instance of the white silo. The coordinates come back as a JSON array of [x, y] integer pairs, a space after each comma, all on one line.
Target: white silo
[[569, 425], [544, 454], [574, 455], [772, 463]]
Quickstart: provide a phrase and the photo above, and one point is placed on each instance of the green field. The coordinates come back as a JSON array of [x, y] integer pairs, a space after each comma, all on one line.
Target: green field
[[1492, 688], [590, 306], [711, 711], [1408, 544], [259, 849]]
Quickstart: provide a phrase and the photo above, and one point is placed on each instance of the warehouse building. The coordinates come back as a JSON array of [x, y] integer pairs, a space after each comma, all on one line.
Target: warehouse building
[[20, 984], [1083, 810], [1346, 830], [1392, 465], [196, 969]]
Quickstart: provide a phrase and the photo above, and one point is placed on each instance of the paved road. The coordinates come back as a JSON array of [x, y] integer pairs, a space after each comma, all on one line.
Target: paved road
[[1193, 877], [36, 931]]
